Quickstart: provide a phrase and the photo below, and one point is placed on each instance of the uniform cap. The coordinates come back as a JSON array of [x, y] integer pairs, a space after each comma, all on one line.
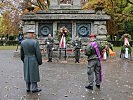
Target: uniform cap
[[31, 31], [92, 35]]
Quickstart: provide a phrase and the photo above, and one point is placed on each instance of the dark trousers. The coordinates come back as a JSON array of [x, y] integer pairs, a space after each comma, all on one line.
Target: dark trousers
[[77, 54], [93, 68], [50, 54], [31, 86]]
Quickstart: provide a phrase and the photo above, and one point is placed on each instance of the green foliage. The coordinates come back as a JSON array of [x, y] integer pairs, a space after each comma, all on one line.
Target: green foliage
[[129, 49], [63, 31], [13, 37], [9, 42], [2, 25], [128, 9], [67, 37], [128, 27], [119, 10], [108, 37]]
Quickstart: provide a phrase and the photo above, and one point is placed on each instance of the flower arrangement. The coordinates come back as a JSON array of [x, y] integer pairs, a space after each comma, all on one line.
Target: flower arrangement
[[126, 46], [125, 36], [65, 31]]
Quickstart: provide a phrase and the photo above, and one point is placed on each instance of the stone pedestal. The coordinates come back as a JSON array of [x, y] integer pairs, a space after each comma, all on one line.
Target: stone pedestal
[[100, 30]]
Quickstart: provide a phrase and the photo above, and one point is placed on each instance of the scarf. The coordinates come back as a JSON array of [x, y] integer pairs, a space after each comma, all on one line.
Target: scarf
[[62, 43], [94, 44]]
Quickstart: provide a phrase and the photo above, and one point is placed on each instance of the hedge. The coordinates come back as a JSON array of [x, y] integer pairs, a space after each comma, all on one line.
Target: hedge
[[9, 42], [14, 42], [119, 43]]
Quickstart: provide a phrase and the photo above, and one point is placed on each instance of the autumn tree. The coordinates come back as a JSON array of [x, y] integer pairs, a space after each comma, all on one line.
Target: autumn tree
[[121, 12], [37, 4], [12, 10]]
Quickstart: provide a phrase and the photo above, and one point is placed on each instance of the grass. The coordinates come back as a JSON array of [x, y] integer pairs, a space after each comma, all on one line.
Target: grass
[[8, 47], [119, 48], [116, 48], [14, 48]]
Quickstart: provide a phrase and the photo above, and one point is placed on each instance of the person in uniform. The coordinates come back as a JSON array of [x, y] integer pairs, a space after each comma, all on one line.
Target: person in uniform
[[77, 46], [20, 39], [93, 52], [32, 58], [49, 43]]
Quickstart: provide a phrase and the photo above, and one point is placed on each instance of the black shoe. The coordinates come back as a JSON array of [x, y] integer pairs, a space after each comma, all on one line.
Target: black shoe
[[89, 87], [98, 86], [38, 90], [48, 61], [28, 90]]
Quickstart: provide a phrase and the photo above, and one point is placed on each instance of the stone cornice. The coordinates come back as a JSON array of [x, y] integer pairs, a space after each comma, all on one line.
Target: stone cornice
[[59, 11], [65, 16]]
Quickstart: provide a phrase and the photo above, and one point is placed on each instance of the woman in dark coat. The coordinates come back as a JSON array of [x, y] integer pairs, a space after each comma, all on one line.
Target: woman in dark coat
[[32, 58]]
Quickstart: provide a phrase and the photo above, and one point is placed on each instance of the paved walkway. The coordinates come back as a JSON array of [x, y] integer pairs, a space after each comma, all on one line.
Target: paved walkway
[[61, 80]]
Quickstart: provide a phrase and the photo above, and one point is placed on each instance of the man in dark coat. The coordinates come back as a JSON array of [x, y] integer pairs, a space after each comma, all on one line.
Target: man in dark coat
[[49, 43], [77, 46], [32, 58], [93, 52]]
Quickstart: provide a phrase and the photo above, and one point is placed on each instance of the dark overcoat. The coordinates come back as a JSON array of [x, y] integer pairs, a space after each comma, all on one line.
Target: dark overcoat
[[32, 58]]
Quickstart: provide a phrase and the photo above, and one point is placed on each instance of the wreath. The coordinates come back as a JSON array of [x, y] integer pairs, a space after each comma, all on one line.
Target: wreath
[[64, 31], [126, 46], [125, 36]]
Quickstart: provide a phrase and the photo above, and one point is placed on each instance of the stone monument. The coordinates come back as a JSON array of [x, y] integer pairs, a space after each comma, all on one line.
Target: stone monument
[[67, 13]]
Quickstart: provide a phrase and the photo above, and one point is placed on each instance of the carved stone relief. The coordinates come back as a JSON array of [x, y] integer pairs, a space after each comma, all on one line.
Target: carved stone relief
[[28, 27], [45, 29], [102, 29], [83, 30]]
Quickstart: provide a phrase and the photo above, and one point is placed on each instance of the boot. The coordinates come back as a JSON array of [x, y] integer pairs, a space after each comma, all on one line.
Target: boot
[[89, 87], [50, 59], [37, 90], [98, 86]]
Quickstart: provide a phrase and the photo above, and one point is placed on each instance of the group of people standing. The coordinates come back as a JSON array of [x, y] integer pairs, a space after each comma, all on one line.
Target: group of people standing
[[32, 58], [50, 47]]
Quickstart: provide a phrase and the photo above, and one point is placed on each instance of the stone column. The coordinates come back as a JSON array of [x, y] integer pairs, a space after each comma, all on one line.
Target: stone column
[[36, 28], [29, 25], [95, 27], [54, 28], [100, 30], [73, 30]]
